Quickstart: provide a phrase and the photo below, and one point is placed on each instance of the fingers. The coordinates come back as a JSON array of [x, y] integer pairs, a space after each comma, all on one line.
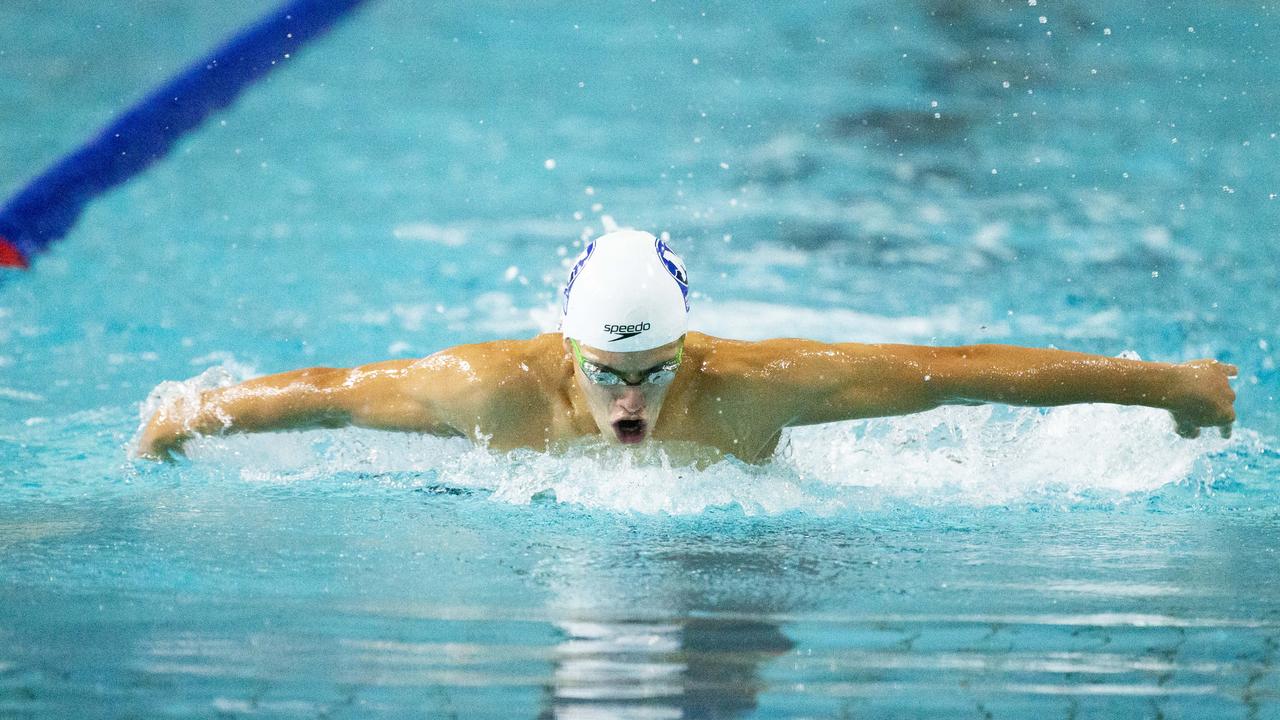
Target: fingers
[[159, 451], [1187, 429], [151, 454], [1227, 368], [1190, 431]]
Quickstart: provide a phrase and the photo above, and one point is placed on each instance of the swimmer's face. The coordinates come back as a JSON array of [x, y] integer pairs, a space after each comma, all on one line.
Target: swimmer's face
[[625, 413]]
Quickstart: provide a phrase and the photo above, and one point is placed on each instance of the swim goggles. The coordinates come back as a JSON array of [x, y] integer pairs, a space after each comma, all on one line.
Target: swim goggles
[[661, 374]]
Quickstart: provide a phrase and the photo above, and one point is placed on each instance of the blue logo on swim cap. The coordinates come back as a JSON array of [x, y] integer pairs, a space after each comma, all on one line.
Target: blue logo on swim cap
[[675, 266], [573, 274]]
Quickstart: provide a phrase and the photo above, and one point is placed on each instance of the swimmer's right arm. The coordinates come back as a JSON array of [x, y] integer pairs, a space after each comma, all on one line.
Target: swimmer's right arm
[[406, 395]]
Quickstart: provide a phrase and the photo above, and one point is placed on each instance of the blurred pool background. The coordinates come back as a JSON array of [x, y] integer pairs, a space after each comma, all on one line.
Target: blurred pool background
[[1083, 175]]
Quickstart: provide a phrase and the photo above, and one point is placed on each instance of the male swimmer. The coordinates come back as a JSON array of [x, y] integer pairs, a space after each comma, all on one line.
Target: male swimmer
[[624, 367]]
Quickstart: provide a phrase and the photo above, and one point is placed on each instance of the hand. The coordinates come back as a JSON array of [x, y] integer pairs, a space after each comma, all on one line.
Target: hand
[[163, 437], [1203, 397]]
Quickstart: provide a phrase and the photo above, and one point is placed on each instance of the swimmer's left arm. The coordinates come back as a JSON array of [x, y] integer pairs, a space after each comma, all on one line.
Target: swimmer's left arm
[[848, 380], [1197, 393]]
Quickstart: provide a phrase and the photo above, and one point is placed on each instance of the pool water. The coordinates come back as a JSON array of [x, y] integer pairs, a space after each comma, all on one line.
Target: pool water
[[1085, 176]]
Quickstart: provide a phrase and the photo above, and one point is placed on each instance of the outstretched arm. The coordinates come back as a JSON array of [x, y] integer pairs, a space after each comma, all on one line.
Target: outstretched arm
[[845, 381], [406, 395]]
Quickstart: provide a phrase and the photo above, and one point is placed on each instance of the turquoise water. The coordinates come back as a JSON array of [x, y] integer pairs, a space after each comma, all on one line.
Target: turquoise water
[[420, 177]]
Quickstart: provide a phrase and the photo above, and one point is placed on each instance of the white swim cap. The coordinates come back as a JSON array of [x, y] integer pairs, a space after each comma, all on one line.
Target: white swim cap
[[627, 291]]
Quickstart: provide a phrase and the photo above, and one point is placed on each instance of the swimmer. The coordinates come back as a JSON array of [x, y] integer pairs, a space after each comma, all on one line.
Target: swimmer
[[625, 367]]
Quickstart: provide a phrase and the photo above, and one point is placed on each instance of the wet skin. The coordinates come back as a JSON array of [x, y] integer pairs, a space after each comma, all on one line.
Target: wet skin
[[627, 411], [728, 396]]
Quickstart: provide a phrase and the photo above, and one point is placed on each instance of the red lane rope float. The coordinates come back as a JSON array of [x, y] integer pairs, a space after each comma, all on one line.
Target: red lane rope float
[[10, 255]]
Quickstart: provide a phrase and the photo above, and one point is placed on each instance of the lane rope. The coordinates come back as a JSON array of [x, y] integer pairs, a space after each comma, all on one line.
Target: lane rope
[[48, 207]]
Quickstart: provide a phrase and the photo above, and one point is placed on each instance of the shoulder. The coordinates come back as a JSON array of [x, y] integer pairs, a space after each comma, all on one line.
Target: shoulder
[[735, 371], [503, 367], [486, 358], [724, 358], [494, 388], [739, 391], [774, 376]]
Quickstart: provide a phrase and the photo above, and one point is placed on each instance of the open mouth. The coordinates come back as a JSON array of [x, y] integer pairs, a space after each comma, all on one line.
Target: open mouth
[[629, 431]]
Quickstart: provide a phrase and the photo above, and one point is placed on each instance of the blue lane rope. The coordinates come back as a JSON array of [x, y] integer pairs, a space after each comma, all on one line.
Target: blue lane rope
[[49, 205]]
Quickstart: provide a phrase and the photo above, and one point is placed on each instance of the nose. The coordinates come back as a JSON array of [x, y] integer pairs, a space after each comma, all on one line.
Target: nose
[[631, 400]]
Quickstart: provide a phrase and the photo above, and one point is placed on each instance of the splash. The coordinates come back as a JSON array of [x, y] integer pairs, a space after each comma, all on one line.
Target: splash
[[996, 455], [167, 396], [977, 457]]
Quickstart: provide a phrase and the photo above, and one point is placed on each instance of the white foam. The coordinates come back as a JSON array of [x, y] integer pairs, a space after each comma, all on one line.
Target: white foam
[[22, 395], [448, 236], [988, 455], [168, 394], [970, 456]]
